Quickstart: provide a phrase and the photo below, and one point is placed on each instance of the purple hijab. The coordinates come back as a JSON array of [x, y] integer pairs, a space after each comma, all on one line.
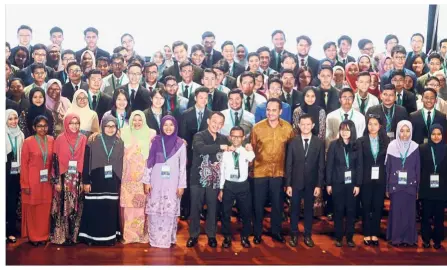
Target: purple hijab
[[172, 144]]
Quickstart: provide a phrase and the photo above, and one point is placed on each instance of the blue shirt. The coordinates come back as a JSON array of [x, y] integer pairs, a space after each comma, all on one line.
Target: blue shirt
[[261, 110], [386, 78]]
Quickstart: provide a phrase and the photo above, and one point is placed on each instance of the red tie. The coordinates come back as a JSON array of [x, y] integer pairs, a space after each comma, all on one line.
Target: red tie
[[173, 103]]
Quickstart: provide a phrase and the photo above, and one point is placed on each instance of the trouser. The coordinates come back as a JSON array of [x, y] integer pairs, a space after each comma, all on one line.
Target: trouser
[[432, 209], [199, 196], [344, 201], [240, 192], [373, 196], [263, 188], [185, 203], [12, 198], [308, 195], [329, 207]]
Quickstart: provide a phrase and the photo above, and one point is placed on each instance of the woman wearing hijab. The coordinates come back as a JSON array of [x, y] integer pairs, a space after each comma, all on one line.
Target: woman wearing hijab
[[385, 64], [410, 84], [68, 163], [37, 107], [433, 188], [88, 62], [159, 59], [36, 160], [88, 118], [102, 172], [167, 55], [137, 138], [374, 144], [339, 78], [403, 177], [121, 108], [364, 63], [17, 95], [352, 71], [375, 84], [164, 182], [54, 57], [57, 104], [13, 152], [241, 55]]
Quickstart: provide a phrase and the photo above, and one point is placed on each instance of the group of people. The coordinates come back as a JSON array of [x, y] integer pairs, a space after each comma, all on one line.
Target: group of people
[[106, 147]]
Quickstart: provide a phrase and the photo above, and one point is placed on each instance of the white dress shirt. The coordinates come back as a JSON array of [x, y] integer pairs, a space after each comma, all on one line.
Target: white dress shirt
[[192, 86], [334, 119], [371, 100], [227, 166]]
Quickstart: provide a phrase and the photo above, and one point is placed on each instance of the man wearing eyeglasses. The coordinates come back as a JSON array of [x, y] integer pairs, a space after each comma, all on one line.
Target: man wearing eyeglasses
[[211, 55], [417, 44], [39, 55], [75, 83], [398, 55], [118, 78], [150, 77], [39, 75], [139, 96]]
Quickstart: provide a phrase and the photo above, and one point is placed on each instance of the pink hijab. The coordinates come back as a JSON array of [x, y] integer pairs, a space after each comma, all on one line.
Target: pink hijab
[[59, 106]]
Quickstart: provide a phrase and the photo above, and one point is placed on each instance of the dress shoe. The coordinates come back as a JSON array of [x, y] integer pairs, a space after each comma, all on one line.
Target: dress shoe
[[245, 242], [350, 243], [11, 240], [308, 241], [257, 240], [43, 243], [226, 242], [184, 218], [375, 242], [34, 244], [192, 241], [212, 242], [437, 245], [338, 243], [426, 245], [278, 238], [293, 240], [367, 242], [284, 217], [203, 216]]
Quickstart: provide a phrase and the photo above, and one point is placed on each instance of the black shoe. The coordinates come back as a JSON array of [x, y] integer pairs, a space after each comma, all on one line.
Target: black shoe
[[34, 244], [437, 245], [293, 240], [226, 242], [183, 217], [350, 243], [43, 243], [192, 241], [212, 242], [278, 238], [308, 241], [367, 242], [330, 216], [426, 245], [11, 240], [375, 242], [245, 242], [203, 216], [338, 243], [257, 240]]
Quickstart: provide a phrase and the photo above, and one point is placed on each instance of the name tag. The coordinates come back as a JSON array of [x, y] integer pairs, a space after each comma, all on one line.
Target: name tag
[[72, 167], [15, 168], [434, 181], [44, 176], [402, 178], [165, 172], [425, 140], [348, 177], [375, 173], [234, 176], [108, 172], [390, 135]]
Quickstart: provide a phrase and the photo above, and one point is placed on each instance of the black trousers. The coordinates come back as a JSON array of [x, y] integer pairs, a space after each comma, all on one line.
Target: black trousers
[[308, 195], [373, 196], [272, 188], [199, 196], [12, 196], [432, 209], [329, 207], [241, 193], [344, 202], [185, 203]]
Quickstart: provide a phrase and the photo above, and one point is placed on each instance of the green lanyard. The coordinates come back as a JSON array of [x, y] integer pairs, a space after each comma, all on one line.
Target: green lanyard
[[359, 101], [44, 153], [346, 158], [14, 146], [375, 152], [425, 119], [389, 118], [404, 158], [434, 158], [164, 149], [350, 117], [72, 150], [232, 117], [90, 101], [105, 149], [119, 81], [219, 88]]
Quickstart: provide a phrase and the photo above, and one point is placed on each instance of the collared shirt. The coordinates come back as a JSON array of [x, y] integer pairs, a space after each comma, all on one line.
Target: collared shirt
[[148, 86], [227, 165], [334, 119], [93, 94], [304, 58], [78, 85], [304, 142], [192, 86], [270, 148], [198, 111], [246, 119], [371, 100], [426, 111], [374, 142]]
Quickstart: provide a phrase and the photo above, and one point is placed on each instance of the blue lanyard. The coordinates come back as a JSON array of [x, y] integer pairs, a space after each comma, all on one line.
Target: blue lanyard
[[375, 152], [44, 153], [434, 158], [346, 157], [389, 118], [404, 158], [164, 149], [105, 149]]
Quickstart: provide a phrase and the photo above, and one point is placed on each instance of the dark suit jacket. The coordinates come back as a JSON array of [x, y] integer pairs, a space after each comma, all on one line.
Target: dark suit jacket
[[349, 60], [273, 59], [336, 164], [98, 53], [62, 76], [230, 82], [304, 171], [12, 105], [25, 75], [151, 121], [142, 98], [220, 101], [175, 71], [216, 57], [409, 101], [238, 69], [368, 159], [297, 99], [400, 113], [312, 63], [68, 90], [427, 168], [420, 130], [104, 105], [333, 99]]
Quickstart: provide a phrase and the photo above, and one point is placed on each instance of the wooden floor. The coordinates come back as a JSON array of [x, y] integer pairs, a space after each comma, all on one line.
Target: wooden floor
[[268, 253]]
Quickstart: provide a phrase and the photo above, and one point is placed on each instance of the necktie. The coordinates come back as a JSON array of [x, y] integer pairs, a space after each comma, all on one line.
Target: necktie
[[77, 88], [231, 70], [186, 92], [289, 99], [208, 60], [344, 62], [210, 101], [199, 121], [150, 89], [236, 165], [428, 120], [306, 146], [172, 102], [265, 72], [325, 97], [247, 104], [278, 61], [302, 62], [94, 103], [399, 99], [346, 116], [236, 119], [362, 105], [132, 96]]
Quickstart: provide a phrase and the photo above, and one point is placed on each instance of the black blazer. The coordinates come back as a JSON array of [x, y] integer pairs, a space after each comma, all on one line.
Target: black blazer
[[68, 90], [238, 69], [427, 168], [220, 101], [104, 105], [142, 98], [420, 130], [400, 113], [349, 60], [336, 164], [273, 59], [175, 71], [98, 53], [62, 76], [333, 99], [312, 63], [12, 105], [409, 101], [25, 75], [216, 57], [304, 171], [368, 159], [297, 99], [151, 121], [230, 82]]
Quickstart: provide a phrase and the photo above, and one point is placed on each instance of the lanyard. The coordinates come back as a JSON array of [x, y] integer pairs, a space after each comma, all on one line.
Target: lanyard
[[121, 123], [359, 101], [90, 101], [425, 119], [105, 149], [236, 160], [14, 146], [404, 158], [232, 117], [164, 149], [434, 158], [375, 152], [72, 150], [64, 77], [346, 157], [119, 81], [350, 117], [389, 118], [44, 153]]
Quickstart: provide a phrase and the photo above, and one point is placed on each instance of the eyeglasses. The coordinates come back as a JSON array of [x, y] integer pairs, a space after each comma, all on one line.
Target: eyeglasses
[[81, 98], [401, 58], [74, 71], [347, 98], [433, 85]]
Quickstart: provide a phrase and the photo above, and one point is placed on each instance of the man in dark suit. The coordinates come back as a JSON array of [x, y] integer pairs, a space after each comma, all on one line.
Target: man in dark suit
[[181, 54], [211, 55], [91, 38], [150, 77], [292, 97], [192, 121], [398, 55], [344, 43], [303, 45], [75, 83], [427, 116], [99, 102], [403, 97], [278, 51], [390, 112], [327, 97], [234, 69], [217, 101], [139, 96], [229, 82], [305, 169], [39, 54], [67, 57]]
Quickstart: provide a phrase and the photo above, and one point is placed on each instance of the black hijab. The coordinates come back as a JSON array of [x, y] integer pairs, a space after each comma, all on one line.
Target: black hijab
[[438, 148], [313, 110], [35, 110]]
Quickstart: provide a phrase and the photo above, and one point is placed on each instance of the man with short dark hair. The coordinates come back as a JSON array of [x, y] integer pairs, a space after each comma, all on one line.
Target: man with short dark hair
[[139, 96], [398, 55], [344, 44], [221, 70], [235, 115], [264, 62], [404, 97], [234, 69], [57, 36], [103, 64], [303, 46], [39, 54], [366, 46], [289, 95], [251, 99], [217, 101], [326, 95], [278, 51], [227, 80], [434, 64], [417, 45], [175, 103], [39, 75], [330, 51], [24, 36], [150, 77], [91, 39], [128, 42], [118, 78], [187, 86], [275, 90], [443, 53], [211, 55], [98, 101], [74, 81], [180, 50]]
